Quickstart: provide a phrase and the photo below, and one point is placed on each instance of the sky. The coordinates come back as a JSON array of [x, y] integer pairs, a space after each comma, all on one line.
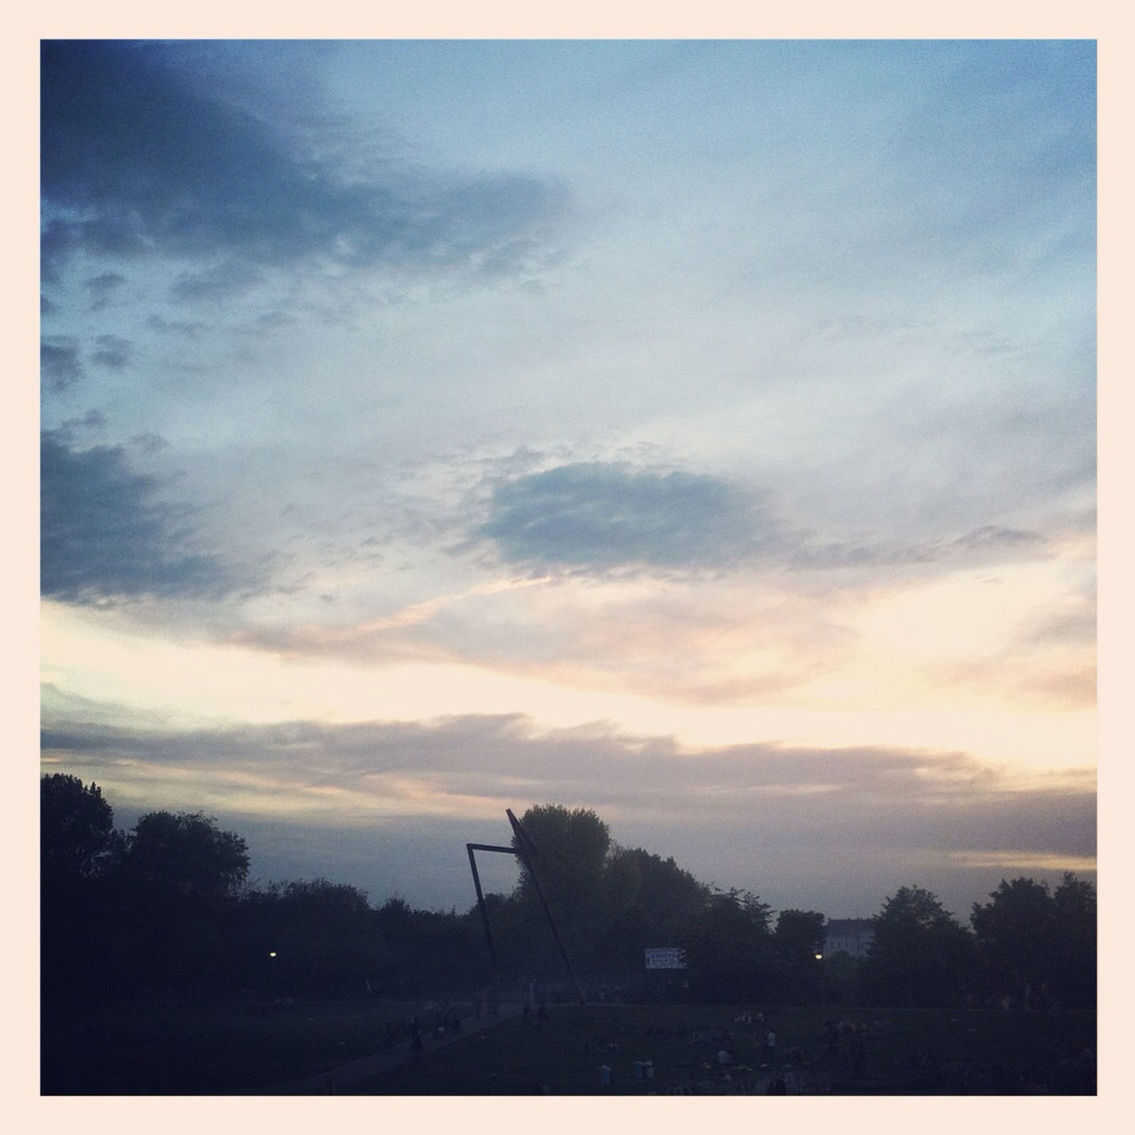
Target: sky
[[701, 432]]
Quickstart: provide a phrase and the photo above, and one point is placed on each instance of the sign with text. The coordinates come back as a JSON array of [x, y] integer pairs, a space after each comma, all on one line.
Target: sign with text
[[665, 957]]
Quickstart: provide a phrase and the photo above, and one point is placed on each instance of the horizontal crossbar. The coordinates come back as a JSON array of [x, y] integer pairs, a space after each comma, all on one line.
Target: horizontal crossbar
[[490, 847]]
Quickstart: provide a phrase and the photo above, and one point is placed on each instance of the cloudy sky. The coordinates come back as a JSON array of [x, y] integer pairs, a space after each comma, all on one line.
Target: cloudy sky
[[699, 432]]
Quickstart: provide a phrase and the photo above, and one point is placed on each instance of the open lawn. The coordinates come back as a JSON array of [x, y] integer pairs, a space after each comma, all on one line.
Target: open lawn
[[232, 1047], [210, 1047], [891, 1052]]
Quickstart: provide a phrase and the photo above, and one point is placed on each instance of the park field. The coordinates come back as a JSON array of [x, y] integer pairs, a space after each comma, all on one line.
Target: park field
[[246, 1047], [604, 1050], [209, 1046]]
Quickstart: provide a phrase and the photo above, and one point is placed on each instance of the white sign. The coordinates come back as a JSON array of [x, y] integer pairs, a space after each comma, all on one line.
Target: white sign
[[665, 957]]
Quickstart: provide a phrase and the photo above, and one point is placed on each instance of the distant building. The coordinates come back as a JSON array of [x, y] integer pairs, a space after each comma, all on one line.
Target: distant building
[[849, 936]]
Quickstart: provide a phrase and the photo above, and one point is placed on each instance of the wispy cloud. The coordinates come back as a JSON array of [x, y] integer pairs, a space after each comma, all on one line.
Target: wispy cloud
[[139, 160], [103, 288], [60, 365], [113, 352]]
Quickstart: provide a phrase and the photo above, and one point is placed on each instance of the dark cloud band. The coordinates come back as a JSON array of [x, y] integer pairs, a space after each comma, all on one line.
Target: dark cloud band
[[846, 823], [139, 157], [104, 534], [602, 515]]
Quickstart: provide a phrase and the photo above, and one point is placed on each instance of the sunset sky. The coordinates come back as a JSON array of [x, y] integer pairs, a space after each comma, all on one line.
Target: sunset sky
[[699, 432]]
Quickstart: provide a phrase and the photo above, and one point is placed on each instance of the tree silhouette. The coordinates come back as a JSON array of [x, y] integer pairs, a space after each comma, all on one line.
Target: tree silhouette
[[187, 853], [570, 853], [729, 948], [798, 942], [76, 828], [1075, 945], [164, 908], [1036, 948], [1014, 937], [176, 890], [648, 901], [920, 955], [78, 844]]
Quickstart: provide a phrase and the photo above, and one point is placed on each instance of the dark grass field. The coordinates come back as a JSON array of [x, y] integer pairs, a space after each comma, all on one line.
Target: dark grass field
[[890, 1052], [219, 1048], [207, 1047]]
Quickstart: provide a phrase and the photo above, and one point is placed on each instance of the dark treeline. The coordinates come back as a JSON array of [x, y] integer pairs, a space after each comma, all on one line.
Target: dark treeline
[[166, 909]]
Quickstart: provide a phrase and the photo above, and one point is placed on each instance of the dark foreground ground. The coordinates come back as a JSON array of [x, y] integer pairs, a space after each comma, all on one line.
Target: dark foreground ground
[[220, 1048], [656, 1050]]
